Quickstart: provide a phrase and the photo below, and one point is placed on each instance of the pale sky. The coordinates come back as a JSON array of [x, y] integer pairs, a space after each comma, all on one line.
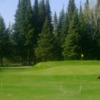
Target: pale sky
[[8, 8]]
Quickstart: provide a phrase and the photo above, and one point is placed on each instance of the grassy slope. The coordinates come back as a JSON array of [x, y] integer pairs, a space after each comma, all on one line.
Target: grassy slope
[[66, 80]]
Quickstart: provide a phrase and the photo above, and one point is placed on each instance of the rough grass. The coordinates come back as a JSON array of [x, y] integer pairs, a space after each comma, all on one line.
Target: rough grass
[[66, 80]]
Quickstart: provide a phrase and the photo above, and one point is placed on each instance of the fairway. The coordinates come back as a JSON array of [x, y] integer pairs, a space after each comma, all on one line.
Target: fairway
[[64, 80]]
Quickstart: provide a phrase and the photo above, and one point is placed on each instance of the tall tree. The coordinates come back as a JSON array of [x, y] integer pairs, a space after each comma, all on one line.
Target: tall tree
[[65, 28], [42, 15], [61, 21], [71, 47], [23, 31], [48, 13], [55, 24], [45, 48], [4, 41], [69, 14], [36, 20], [71, 9], [57, 44], [30, 39], [87, 44], [16, 34]]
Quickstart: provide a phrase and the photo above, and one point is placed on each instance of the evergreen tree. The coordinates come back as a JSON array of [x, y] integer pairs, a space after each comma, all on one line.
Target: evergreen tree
[[16, 34], [36, 20], [71, 9], [71, 47], [7, 45], [57, 44], [23, 31], [42, 15], [84, 34], [4, 41], [61, 22], [65, 27], [87, 44], [69, 14], [55, 25], [30, 39], [45, 48], [48, 14]]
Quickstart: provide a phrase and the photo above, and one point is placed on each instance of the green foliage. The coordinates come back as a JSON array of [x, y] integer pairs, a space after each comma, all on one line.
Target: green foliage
[[55, 25], [42, 15], [71, 9], [60, 23], [35, 21], [24, 32], [3, 40], [35, 37], [44, 50], [71, 47]]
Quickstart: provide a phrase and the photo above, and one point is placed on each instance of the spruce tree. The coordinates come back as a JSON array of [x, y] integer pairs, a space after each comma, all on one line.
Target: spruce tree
[[48, 13], [57, 44], [16, 34], [71, 9], [71, 47], [45, 47], [61, 22], [36, 20], [4, 41], [65, 27], [42, 15], [30, 39], [84, 34], [23, 31], [55, 24]]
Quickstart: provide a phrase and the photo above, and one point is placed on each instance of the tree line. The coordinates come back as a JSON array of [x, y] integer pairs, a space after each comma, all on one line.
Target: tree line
[[38, 36]]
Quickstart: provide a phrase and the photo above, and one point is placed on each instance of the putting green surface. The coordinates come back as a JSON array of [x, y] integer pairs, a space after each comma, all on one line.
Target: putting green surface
[[66, 80]]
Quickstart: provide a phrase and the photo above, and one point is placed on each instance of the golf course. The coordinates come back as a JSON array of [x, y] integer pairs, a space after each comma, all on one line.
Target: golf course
[[62, 80]]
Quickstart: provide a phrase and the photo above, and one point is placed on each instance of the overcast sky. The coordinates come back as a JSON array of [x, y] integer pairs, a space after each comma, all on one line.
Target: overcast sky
[[8, 8]]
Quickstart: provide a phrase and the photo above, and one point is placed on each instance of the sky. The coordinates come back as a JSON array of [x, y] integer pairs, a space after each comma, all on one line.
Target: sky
[[8, 8]]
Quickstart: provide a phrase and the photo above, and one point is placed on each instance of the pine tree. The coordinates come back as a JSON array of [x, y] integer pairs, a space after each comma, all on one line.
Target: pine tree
[[71, 47], [69, 14], [45, 48], [87, 44], [16, 34], [65, 27], [7, 44], [48, 13], [55, 25], [4, 41], [61, 22], [83, 30], [42, 15], [23, 31], [30, 39], [57, 44], [20, 31], [71, 9], [36, 20]]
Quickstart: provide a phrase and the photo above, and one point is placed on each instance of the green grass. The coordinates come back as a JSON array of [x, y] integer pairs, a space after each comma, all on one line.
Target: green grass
[[66, 80]]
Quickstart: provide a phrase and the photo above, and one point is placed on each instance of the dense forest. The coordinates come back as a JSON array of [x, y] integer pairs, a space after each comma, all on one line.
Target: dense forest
[[38, 36]]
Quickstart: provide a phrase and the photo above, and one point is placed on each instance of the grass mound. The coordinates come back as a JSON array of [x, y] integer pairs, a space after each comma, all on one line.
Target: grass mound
[[65, 80]]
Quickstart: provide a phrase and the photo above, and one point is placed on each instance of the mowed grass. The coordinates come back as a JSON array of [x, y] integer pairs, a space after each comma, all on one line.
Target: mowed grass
[[65, 80]]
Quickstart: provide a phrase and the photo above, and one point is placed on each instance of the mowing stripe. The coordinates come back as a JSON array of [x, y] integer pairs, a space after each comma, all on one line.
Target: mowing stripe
[[24, 67]]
